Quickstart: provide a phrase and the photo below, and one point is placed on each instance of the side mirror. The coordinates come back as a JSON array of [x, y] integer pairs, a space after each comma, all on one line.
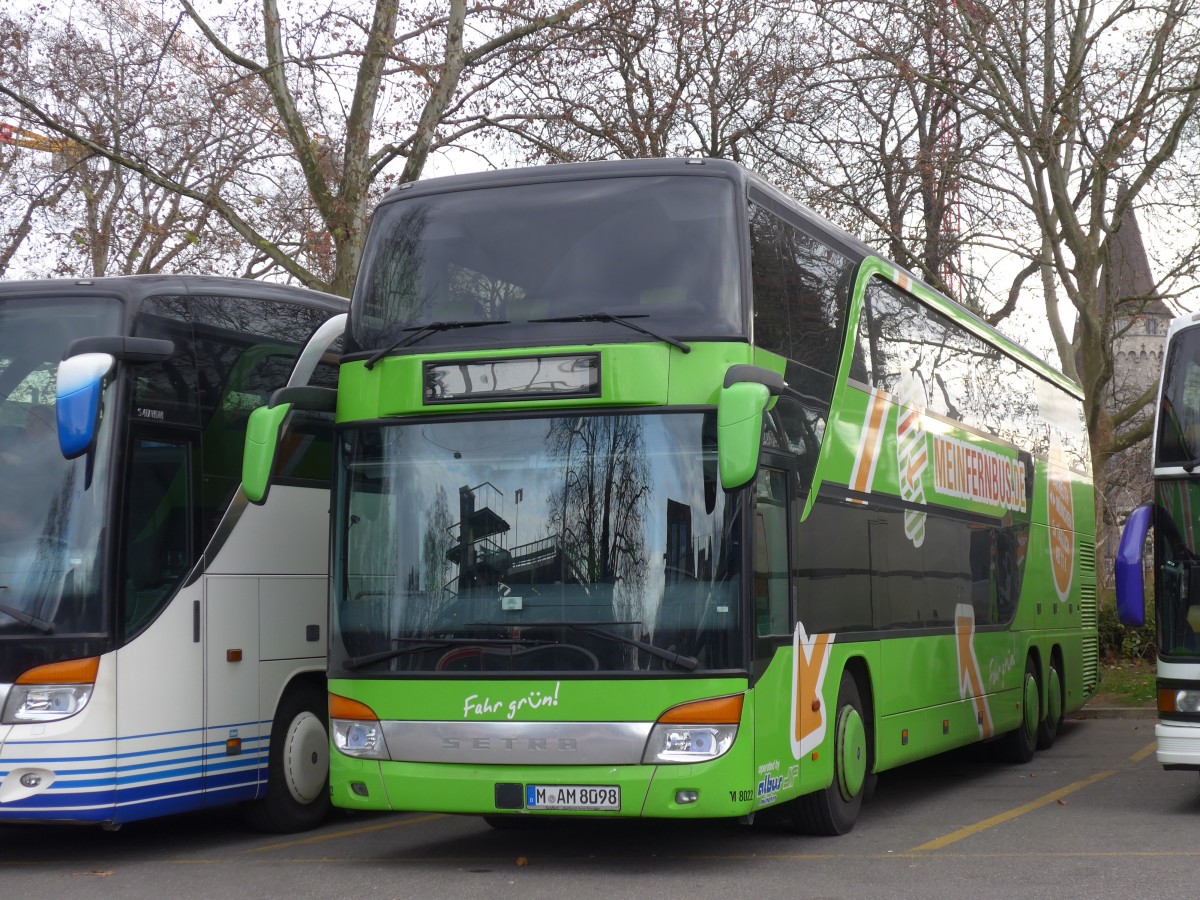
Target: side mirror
[[263, 430], [748, 392], [1130, 578], [77, 400], [262, 443]]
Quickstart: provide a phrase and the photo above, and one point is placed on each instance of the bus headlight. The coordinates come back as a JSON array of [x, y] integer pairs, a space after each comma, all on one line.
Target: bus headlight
[[1185, 700], [360, 739], [45, 702], [694, 732], [355, 729], [688, 743], [52, 692]]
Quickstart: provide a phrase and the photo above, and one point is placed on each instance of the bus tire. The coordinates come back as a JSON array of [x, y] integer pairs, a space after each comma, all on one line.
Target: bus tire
[[1049, 727], [835, 809], [297, 796], [1017, 746]]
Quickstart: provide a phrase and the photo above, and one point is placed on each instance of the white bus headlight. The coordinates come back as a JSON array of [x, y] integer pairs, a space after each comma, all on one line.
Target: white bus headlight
[[688, 743], [1187, 701], [694, 732], [52, 692], [360, 739], [45, 702], [355, 729]]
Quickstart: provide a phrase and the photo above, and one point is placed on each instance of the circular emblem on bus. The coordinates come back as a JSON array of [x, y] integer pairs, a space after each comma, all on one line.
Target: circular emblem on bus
[[1060, 516]]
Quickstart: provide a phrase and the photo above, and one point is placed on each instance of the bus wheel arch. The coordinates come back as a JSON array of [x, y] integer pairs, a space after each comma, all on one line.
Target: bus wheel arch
[[297, 796], [1018, 745], [835, 809], [1053, 701]]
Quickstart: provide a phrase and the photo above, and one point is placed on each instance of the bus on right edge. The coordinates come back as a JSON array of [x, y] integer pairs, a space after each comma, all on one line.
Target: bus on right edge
[[1174, 515]]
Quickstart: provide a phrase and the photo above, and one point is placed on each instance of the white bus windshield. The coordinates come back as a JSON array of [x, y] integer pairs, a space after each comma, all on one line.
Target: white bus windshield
[[52, 512]]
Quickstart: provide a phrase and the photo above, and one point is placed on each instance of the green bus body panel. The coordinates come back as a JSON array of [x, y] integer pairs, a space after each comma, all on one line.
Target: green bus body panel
[[630, 375], [571, 700]]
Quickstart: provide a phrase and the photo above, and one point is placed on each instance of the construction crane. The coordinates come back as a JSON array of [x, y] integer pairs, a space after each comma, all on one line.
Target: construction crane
[[20, 137]]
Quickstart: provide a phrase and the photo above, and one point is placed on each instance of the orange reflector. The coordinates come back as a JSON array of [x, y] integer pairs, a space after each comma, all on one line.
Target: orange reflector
[[233, 747], [345, 708], [74, 671], [1166, 700], [718, 711], [233, 655]]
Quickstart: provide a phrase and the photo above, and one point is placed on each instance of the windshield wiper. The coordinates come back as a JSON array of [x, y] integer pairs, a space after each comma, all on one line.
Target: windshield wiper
[[420, 645], [24, 618], [620, 320], [420, 331], [594, 628]]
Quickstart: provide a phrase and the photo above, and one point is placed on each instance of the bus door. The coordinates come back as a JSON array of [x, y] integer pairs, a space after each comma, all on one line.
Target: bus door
[[159, 687], [773, 622]]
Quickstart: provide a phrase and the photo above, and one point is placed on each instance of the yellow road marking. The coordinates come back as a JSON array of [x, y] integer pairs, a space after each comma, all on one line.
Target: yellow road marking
[[1144, 752], [335, 835], [970, 830]]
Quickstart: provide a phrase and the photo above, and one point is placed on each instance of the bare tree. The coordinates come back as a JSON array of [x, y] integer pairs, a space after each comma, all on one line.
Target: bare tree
[[1094, 101], [352, 90], [118, 90], [892, 153], [717, 78]]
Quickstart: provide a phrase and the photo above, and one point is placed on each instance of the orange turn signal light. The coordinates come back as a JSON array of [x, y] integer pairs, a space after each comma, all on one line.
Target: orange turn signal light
[[345, 708], [73, 671], [718, 711]]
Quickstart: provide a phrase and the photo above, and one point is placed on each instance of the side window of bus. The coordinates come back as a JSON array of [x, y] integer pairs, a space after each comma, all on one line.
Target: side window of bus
[[158, 527], [772, 608], [801, 292], [795, 427], [159, 524], [245, 350], [306, 452]]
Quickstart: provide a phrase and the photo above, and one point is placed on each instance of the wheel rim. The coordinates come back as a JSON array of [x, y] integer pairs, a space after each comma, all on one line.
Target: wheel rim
[[1055, 699], [1031, 704], [851, 752], [306, 758]]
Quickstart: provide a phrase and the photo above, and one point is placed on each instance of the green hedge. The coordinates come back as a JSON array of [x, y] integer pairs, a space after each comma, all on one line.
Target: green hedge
[[1119, 641]]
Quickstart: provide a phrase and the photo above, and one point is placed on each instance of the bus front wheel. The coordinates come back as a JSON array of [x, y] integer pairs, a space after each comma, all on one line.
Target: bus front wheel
[[834, 810], [298, 766]]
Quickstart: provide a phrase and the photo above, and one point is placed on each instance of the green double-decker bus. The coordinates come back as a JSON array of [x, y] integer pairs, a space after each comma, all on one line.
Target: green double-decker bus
[[657, 495]]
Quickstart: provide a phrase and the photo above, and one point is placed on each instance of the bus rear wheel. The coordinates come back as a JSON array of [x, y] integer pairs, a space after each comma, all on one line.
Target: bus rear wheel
[[1049, 727], [834, 810], [298, 766], [1018, 746]]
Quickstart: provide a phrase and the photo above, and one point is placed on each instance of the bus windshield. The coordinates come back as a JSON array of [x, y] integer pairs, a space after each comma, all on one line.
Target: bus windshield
[[660, 251], [599, 543], [52, 512]]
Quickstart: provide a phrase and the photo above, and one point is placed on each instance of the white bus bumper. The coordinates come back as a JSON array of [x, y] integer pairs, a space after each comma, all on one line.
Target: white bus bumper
[[1178, 744]]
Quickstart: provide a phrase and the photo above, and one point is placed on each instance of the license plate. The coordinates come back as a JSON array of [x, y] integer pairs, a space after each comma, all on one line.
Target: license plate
[[572, 796]]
